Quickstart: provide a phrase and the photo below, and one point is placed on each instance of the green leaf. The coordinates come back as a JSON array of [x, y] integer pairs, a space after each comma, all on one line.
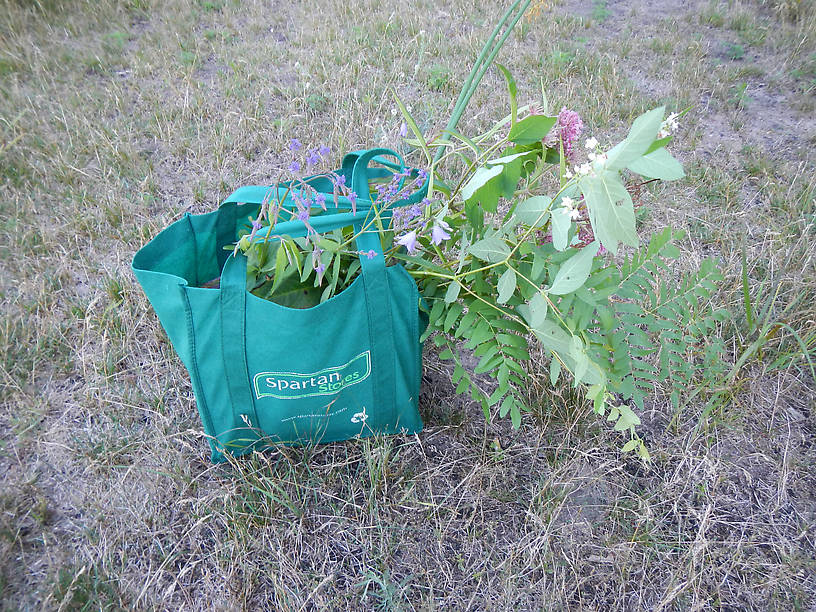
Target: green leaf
[[512, 89], [627, 418], [579, 356], [552, 336], [630, 445], [453, 292], [611, 210], [538, 310], [481, 333], [532, 129], [515, 415], [498, 177], [506, 405], [643, 452], [328, 245], [499, 393], [658, 164], [657, 144], [641, 135], [459, 136], [573, 273], [280, 265], [293, 294], [453, 313], [506, 286], [593, 392], [492, 249], [555, 370], [561, 223], [414, 127], [484, 187], [533, 211]]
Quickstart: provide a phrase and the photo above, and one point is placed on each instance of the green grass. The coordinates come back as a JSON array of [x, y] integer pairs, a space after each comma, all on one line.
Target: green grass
[[118, 117]]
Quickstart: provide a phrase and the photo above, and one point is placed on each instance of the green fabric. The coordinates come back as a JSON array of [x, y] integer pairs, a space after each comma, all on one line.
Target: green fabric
[[263, 373]]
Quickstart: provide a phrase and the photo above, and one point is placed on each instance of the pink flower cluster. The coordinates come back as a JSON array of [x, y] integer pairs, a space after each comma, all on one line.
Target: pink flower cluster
[[569, 127]]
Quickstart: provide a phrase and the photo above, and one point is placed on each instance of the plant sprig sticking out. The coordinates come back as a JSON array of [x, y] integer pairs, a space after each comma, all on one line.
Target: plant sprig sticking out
[[515, 249]]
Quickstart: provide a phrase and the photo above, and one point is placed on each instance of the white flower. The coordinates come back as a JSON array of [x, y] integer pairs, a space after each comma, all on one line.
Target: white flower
[[591, 143], [568, 174], [568, 208], [669, 125], [600, 158], [584, 169], [592, 156]]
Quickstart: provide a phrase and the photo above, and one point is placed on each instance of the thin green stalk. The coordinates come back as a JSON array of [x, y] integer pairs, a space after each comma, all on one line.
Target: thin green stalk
[[483, 62]]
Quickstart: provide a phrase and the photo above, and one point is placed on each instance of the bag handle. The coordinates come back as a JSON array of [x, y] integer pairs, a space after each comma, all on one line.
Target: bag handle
[[356, 169]]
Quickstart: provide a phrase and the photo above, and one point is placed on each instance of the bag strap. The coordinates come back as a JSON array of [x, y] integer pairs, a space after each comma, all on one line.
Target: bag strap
[[233, 342]]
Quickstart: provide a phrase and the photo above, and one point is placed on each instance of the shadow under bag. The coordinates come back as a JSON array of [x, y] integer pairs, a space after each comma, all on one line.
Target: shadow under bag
[[265, 374]]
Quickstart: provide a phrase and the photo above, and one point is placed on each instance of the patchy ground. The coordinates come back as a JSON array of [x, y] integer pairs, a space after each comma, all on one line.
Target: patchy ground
[[117, 117]]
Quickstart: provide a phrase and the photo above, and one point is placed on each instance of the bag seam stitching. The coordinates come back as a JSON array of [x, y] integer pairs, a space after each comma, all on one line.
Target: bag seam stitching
[[195, 375]]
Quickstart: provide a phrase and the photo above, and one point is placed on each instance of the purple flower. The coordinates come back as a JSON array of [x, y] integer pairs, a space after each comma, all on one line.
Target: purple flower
[[339, 181], [370, 254], [312, 157], [294, 167], [320, 269], [294, 145], [570, 127], [422, 174], [257, 224], [409, 241], [320, 200], [303, 215], [352, 196], [403, 131], [415, 211], [324, 151], [440, 232]]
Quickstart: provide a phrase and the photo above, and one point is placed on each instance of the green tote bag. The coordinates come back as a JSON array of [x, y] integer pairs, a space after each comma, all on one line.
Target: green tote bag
[[266, 374]]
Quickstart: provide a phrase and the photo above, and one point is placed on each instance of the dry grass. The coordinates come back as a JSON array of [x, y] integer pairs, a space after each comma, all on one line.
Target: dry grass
[[115, 117]]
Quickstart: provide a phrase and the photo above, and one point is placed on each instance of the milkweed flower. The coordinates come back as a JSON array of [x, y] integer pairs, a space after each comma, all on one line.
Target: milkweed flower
[[409, 241], [440, 232], [569, 208], [570, 127], [669, 125]]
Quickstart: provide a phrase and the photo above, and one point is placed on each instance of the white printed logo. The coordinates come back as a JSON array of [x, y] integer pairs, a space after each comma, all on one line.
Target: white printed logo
[[359, 417]]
